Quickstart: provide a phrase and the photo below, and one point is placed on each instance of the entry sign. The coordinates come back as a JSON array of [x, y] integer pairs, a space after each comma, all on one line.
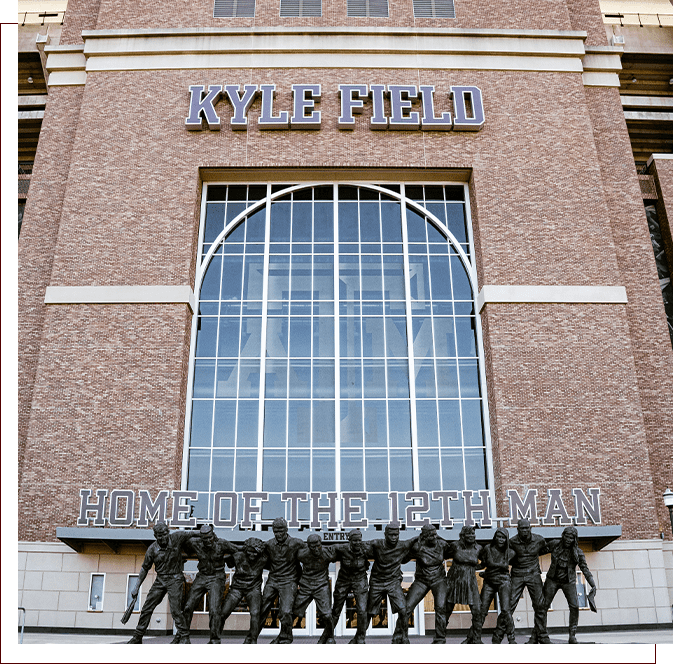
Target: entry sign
[[408, 107]]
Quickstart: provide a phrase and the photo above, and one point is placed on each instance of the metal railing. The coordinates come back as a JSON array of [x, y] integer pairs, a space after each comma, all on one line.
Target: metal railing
[[643, 20], [23, 622], [40, 18]]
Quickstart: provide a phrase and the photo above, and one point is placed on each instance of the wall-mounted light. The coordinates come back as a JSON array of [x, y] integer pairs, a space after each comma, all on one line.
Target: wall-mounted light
[[668, 501], [634, 80], [30, 79]]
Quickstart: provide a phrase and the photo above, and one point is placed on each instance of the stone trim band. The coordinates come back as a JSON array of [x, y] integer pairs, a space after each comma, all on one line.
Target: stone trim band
[[121, 295], [551, 295]]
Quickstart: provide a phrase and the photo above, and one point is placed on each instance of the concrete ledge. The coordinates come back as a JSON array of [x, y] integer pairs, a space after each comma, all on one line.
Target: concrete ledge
[[121, 295], [551, 295], [659, 155], [66, 78], [658, 116], [598, 79]]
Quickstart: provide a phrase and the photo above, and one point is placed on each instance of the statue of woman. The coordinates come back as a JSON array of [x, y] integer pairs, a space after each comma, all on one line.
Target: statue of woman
[[461, 580]]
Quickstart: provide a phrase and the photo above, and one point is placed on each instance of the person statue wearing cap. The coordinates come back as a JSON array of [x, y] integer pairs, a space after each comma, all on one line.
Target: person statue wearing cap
[[284, 572], [246, 584], [566, 556], [166, 556], [352, 578], [315, 560], [386, 578], [526, 573], [430, 551], [210, 578]]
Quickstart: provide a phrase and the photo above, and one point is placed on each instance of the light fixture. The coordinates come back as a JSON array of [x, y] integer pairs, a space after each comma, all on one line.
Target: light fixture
[[30, 79], [634, 80], [668, 501]]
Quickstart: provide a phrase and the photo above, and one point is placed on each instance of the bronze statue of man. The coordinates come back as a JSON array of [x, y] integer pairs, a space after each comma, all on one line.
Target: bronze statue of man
[[352, 578], [386, 578], [314, 583], [566, 556], [210, 578], [249, 564], [495, 557], [430, 551], [526, 573], [166, 556], [284, 570]]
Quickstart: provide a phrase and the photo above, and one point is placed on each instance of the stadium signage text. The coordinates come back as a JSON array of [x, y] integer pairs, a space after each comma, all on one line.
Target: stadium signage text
[[397, 113], [125, 508]]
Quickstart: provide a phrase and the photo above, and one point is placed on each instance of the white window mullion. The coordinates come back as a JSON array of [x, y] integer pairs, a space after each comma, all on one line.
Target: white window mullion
[[410, 344], [337, 353], [262, 363]]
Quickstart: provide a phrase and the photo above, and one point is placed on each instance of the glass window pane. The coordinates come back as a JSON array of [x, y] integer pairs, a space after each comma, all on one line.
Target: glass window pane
[[376, 470], [299, 424], [202, 424], [227, 344], [449, 424], [452, 471], [473, 433], [301, 278], [441, 278], [323, 470], [232, 278], [248, 382], [426, 423], [349, 337], [444, 337], [300, 337], [422, 330], [391, 221], [372, 287], [300, 378], [438, 210], [375, 424], [415, 226], [273, 470], [302, 214], [323, 424], [204, 378], [223, 471], [398, 379], [352, 470], [425, 378], [399, 420], [351, 378], [428, 470], [246, 470], [351, 424], [206, 335], [323, 336], [214, 221], [370, 224], [280, 222], [225, 423], [323, 222], [396, 337], [455, 221], [400, 470], [254, 226], [349, 278], [276, 379], [323, 379], [210, 286], [248, 413], [279, 277], [199, 470], [393, 274], [469, 378], [373, 343], [299, 477], [274, 423], [419, 284], [253, 277], [227, 378], [251, 337], [447, 379], [374, 378], [323, 278], [348, 222], [475, 468], [276, 337], [461, 283], [465, 331]]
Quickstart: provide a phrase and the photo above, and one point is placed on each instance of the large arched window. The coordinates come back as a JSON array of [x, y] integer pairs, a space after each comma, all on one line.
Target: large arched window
[[336, 346]]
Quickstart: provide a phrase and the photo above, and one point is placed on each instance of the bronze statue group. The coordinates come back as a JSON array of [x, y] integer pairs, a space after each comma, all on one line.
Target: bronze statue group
[[299, 574]]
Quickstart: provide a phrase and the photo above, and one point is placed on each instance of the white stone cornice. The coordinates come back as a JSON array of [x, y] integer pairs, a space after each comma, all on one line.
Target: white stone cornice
[[551, 295], [121, 295]]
